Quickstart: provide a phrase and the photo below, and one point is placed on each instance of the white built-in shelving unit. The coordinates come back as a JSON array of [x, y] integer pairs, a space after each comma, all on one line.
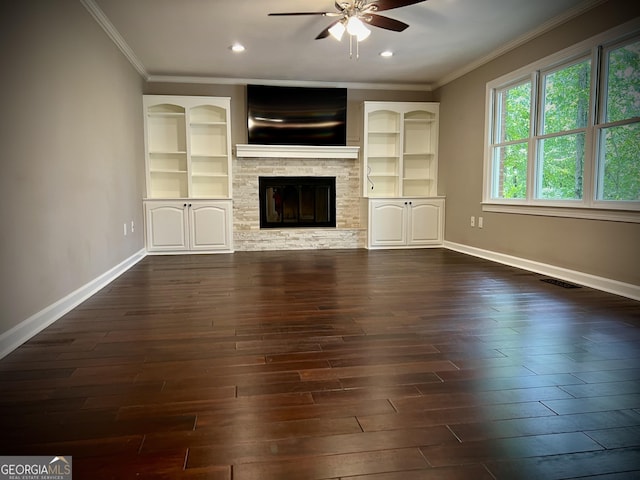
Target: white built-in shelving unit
[[400, 174], [188, 173]]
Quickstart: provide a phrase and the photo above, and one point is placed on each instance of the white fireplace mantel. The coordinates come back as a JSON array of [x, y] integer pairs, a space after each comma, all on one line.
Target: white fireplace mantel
[[296, 151]]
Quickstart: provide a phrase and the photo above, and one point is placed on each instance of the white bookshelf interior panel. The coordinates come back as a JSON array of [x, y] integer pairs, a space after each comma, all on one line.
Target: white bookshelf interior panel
[[383, 186], [384, 121], [209, 187], [168, 162], [168, 185], [383, 145], [208, 139], [166, 133], [209, 165]]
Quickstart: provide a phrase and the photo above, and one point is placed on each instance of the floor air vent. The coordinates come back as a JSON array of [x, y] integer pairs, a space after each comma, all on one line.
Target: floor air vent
[[560, 283]]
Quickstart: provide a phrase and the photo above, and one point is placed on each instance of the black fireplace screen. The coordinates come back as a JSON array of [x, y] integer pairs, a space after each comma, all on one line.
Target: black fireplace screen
[[287, 202]]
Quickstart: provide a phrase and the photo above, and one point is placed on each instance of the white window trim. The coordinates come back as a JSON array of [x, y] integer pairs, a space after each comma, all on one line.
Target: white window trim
[[589, 207], [591, 213]]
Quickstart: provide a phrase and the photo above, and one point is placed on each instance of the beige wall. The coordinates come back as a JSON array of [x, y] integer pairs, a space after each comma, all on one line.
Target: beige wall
[[602, 248], [72, 155]]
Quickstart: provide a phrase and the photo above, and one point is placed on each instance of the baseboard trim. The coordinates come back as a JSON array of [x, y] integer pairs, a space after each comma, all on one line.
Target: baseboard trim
[[599, 283], [16, 336]]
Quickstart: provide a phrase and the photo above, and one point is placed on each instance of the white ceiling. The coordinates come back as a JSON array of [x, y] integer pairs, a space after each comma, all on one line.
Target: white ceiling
[[189, 40]]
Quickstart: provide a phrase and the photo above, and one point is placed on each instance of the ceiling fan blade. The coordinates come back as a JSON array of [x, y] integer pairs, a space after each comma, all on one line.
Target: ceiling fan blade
[[380, 5], [289, 14], [385, 22]]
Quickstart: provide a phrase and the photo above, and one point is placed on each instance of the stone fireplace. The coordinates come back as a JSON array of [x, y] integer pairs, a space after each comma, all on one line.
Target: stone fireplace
[[340, 163]]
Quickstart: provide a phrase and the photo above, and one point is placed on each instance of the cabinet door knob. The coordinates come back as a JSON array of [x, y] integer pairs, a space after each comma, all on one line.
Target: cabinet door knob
[[405, 203], [184, 205], [410, 203], [189, 205]]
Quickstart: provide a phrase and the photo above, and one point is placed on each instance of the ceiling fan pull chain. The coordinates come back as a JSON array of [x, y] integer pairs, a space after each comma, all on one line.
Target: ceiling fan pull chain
[[351, 41]]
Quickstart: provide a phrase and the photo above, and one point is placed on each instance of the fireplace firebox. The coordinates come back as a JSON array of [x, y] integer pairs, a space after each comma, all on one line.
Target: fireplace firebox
[[292, 202]]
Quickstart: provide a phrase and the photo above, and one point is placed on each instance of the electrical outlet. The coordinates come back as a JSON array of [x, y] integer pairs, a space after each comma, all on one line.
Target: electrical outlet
[[473, 221], [125, 229], [480, 222], [133, 227]]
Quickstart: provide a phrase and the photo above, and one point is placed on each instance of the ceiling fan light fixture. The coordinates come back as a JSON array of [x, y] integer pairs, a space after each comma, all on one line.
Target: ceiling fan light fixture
[[237, 48], [337, 31], [386, 54], [364, 34], [356, 27]]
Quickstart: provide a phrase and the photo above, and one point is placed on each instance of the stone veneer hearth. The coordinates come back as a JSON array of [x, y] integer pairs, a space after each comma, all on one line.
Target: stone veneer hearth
[[247, 234]]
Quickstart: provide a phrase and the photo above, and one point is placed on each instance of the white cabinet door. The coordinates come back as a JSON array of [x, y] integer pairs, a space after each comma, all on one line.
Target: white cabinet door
[[425, 222], [209, 225], [387, 223], [405, 223], [167, 226], [187, 225]]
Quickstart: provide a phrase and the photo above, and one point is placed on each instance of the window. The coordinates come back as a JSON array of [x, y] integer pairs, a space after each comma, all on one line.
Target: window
[[619, 139], [564, 134], [563, 125], [512, 128]]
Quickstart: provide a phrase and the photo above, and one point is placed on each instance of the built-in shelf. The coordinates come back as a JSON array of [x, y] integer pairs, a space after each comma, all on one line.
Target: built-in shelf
[[296, 151], [400, 149]]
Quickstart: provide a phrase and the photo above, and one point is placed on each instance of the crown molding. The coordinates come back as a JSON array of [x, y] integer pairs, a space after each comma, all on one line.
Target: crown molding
[[531, 35], [100, 17], [420, 87]]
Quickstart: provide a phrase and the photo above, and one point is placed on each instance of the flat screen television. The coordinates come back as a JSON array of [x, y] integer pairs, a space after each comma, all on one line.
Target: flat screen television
[[296, 115]]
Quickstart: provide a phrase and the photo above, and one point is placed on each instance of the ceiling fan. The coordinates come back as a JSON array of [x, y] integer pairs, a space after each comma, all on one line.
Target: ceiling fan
[[353, 15]]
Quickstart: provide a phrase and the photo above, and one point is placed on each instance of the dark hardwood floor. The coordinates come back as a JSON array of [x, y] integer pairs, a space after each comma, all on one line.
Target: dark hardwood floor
[[343, 364]]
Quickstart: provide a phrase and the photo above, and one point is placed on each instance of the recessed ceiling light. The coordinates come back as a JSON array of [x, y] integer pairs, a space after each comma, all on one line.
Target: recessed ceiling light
[[386, 53], [236, 47]]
